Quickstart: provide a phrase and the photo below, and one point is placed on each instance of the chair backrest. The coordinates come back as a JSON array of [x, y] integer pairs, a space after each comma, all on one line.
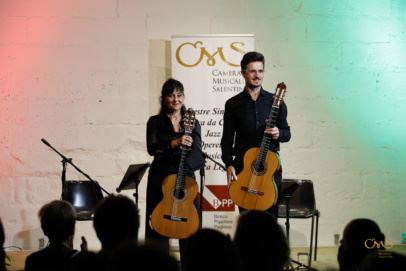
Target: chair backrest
[[84, 196], [302, 202]]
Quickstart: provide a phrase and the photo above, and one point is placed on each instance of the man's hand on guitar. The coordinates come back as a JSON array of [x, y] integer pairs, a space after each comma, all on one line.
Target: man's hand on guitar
[[274, 132], [231, 177]]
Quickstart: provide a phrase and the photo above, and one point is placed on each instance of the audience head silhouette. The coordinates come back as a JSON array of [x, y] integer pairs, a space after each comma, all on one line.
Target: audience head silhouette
[[353, 247], [261, 241], [116, 220], [58, 220], [145, 257], [210, 249]]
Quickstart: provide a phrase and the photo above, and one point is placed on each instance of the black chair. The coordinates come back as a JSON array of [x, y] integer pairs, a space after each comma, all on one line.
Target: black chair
[[84, 196], [302, 204]]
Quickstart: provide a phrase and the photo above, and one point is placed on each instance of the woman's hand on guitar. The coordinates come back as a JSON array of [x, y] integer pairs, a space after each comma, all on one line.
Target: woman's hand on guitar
[[231, 177], [274, 132], [184, 140]]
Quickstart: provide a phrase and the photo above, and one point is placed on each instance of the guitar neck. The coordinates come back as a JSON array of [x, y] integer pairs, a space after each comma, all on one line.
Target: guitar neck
[[180, 178], [266, 139], [188, 123], [273, 115]]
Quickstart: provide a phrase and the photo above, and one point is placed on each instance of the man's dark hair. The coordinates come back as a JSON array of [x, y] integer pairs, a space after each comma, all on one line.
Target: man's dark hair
[[251, 57], [58, 220], [116, 219], [261, 241], [352, 248]]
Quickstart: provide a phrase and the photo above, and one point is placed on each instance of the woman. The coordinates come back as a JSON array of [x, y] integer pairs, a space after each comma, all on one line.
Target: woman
[[58, 219], [165, 137]]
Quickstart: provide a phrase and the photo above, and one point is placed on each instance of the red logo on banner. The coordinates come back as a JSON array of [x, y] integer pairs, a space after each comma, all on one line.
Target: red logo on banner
[[217, 199]]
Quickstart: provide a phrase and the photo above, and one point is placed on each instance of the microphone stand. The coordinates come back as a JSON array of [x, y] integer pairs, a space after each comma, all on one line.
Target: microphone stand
[[205, 155], [64, 163], [202, 184], [63, 175]]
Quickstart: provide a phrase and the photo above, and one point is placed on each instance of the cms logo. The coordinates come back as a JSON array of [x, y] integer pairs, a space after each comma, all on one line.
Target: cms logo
[[372, 244], [202, 54]]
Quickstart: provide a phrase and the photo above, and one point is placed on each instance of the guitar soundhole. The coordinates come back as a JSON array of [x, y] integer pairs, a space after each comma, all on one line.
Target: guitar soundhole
[[179, 194], [258, 168]]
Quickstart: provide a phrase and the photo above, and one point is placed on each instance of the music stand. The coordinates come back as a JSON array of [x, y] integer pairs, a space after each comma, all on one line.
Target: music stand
[[132, 178]]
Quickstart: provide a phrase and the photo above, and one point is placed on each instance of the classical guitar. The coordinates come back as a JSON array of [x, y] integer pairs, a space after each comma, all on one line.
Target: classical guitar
[[255, 187], [176, 215]]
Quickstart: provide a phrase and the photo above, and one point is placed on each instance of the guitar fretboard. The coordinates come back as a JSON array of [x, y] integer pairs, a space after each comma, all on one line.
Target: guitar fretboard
[[180, 177], [266, 139]]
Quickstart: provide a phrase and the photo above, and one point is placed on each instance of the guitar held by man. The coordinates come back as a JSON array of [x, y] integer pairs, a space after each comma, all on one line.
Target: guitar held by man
[[254, 187]]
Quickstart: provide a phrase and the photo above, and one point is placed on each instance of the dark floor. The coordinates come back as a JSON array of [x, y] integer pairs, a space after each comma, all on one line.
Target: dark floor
[[326, 258]]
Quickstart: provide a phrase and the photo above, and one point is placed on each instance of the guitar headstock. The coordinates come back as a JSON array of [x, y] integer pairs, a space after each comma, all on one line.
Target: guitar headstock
[[279, 94], [189, 120]]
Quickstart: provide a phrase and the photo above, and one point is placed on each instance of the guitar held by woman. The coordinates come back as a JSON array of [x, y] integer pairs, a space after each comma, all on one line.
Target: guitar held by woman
[[176, 216]]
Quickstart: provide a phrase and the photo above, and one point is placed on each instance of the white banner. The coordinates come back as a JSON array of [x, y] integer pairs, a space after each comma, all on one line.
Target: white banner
[[209, 68]]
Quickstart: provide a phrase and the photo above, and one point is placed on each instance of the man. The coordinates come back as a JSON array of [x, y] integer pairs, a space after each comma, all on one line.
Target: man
[[360, 237], [116, 222], [245, 119], [58, 219]]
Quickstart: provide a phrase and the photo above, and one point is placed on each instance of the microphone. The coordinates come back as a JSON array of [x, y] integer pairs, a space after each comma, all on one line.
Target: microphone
[[45, 142]]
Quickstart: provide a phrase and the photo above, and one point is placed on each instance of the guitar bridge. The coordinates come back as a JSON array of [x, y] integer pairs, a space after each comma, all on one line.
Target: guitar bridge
[[252, 191], [175, 218]]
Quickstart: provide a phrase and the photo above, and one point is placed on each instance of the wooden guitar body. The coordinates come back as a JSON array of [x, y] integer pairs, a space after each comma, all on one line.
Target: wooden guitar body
[[256, 189], [176, 216]]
